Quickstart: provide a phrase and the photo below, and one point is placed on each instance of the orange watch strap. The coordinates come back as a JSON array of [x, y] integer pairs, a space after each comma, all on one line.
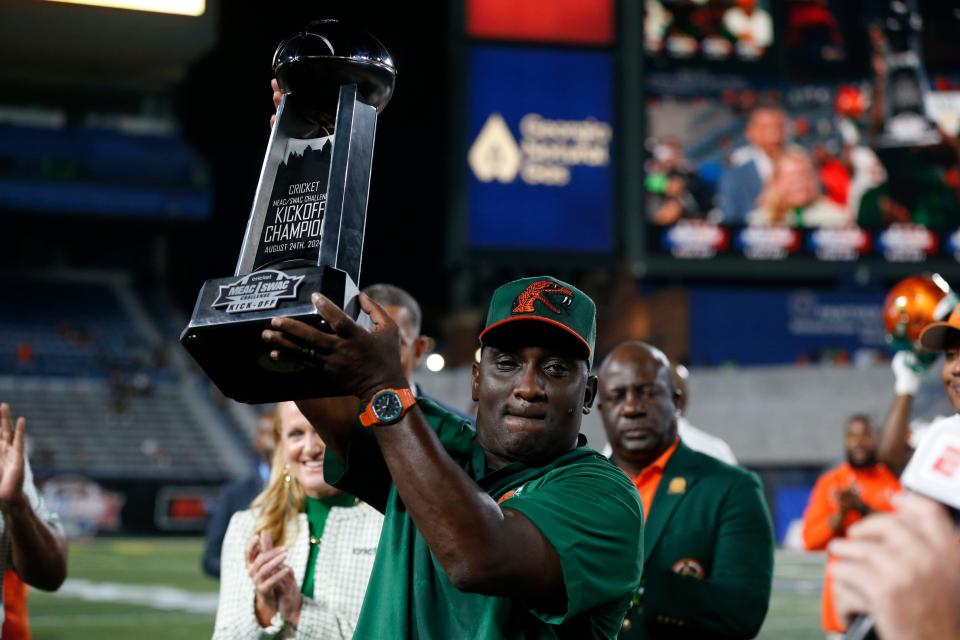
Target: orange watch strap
[[407, 399]]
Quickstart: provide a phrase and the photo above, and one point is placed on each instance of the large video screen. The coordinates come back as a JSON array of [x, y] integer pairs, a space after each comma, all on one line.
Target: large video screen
[[844, 147]]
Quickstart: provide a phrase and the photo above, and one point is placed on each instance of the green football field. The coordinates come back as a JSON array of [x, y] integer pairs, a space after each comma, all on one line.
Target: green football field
[[152, 588]]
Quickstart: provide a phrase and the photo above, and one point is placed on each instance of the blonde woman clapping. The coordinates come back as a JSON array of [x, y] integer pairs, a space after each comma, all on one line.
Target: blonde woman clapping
[[296, 564]]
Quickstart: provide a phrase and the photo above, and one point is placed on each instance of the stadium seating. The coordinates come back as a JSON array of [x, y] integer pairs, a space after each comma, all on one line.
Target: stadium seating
[[75, 427], [70, 329], [84, 362]]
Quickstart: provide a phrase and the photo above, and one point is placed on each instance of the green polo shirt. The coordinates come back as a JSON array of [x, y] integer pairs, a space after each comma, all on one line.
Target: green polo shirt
[[583, 504]]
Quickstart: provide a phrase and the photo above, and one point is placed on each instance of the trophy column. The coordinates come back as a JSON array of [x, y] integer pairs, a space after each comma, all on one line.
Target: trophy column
[[305, 231]]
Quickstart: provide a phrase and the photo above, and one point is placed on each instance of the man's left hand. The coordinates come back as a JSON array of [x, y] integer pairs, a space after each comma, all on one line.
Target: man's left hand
[[362, 362], [11, 460]]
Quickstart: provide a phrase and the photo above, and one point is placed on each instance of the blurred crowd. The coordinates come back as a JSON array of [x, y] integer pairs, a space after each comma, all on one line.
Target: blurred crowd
[[744, 29]]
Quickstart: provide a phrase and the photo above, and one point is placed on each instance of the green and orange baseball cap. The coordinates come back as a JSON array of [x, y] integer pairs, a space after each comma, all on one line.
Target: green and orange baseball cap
[[547, 300]]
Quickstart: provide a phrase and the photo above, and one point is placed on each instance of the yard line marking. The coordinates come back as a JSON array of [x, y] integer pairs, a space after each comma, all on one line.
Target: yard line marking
[[797, 585], [115, 619], [166, 598]]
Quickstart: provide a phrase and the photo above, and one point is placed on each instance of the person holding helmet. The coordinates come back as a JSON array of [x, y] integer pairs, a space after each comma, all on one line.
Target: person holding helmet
[[901, 568], [944, 337], [912, 304]]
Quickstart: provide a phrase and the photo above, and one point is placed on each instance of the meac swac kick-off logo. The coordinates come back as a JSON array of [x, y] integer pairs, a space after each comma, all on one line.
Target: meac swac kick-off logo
[[537, 292], [258, 290]]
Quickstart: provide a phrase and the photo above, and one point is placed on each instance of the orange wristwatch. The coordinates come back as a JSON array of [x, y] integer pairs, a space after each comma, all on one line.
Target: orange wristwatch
[[387, 406]]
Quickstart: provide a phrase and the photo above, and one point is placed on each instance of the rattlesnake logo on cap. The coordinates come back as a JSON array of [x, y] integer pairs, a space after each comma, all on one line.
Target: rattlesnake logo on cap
[[537, 292]]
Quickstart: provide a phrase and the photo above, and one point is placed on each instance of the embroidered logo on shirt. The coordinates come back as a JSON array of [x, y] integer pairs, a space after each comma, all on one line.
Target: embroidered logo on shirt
[[510, 494], [364, 551]]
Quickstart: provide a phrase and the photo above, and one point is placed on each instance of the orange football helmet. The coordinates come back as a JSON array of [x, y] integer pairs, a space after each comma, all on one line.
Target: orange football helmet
[[915, 302]]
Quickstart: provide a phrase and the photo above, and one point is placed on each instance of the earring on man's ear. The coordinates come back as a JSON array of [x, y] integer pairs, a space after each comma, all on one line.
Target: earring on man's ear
[[586, 410], [286, 474]]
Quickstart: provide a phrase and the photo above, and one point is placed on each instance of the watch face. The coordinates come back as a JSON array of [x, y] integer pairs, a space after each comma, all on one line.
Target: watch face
[[387, 406]]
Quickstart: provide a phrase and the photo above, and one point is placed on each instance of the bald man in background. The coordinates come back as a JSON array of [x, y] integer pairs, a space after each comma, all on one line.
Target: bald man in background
[[708, 541], [405, 311], [695, 438]]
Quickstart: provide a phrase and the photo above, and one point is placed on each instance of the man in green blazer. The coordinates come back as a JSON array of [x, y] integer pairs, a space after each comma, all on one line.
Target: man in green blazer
[[708, 541]]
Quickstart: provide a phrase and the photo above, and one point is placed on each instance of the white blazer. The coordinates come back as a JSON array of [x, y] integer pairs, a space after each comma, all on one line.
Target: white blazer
[[347, 550]]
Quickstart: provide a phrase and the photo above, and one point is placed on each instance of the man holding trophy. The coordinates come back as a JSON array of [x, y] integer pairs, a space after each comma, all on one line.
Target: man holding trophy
[[515, 530]]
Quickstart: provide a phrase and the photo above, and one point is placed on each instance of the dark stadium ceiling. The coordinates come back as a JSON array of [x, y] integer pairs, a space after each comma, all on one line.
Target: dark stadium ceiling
[[53, 44]]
